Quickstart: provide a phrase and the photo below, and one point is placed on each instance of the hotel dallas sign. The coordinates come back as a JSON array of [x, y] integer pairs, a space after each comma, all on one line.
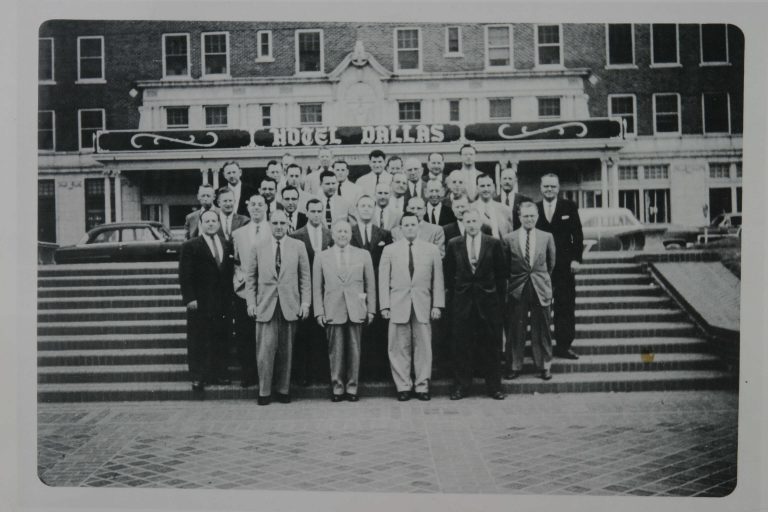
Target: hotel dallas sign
[[318, 136]]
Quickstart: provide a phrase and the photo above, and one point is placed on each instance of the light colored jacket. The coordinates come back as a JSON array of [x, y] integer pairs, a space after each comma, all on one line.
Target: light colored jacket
[[244, 239], [428, 232], [520, 270], [344, 295]]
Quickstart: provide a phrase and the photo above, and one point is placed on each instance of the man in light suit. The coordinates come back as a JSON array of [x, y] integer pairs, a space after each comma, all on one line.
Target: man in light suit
[[496, 215], [312, 179], [229, 219], [344, 293], [309, 352], [508, 197], [426, 231], [385, 215], [377, 176], [335, 207], [531, 257], [205, 196], [411, 294], [278, 291], [244, 240], [347, 190]]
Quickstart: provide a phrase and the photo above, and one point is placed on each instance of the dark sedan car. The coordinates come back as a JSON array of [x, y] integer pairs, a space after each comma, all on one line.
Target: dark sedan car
[[613, 229], [122, 241], [723, 226]]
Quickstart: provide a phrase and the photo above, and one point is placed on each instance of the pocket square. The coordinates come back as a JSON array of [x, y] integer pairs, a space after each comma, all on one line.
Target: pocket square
[[565, 217], [382, 243]]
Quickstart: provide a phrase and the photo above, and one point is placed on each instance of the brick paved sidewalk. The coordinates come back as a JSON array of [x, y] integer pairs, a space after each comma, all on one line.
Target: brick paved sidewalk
[[657, 443]]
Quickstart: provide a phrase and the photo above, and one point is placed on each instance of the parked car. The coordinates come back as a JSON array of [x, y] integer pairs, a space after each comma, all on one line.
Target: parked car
[[724, 225], [122, 241], [613, 229]]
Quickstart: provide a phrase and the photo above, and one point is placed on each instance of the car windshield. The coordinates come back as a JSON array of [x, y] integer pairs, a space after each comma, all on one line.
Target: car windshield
[[163, 233], [138, 234], [105, 236]]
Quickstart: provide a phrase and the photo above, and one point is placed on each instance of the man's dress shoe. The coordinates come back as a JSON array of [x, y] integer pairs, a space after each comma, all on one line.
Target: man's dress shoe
[[351, 397], [198, 385], [457, 394], [566, 354], [403, 396], [546, 374], [264, 400], [424, 397], [497, 395], [337, 398], [512, 375], [283, 399]]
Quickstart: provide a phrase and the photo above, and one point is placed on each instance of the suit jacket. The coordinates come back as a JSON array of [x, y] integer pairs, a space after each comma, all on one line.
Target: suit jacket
[[344, 295], [201, 279], [483, 289], [427, 232], [446, 215], [237, 222], [192, 223], [246, 191], [312, 181], [391, 217], [515, 206], [520, 270], [379, 239], [399, 292], [245, 240], [301, 219], [350, 192], [367, 182], [566, 230], [406, 197], [501, 213], [420, 189], [303, 235], [470, 182], [292, 286], [340, 208], [452, 231]]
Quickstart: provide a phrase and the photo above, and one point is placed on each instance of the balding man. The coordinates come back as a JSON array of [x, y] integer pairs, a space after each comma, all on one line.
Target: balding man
[[426, 231], [205, 196], [456, 186], [385, 215], [436, 167], [437, 213], [413, 172], [312, 180], [509, 196]]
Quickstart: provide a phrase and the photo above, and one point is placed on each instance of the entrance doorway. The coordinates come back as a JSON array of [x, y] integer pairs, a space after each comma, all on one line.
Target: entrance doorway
[[719, 202]]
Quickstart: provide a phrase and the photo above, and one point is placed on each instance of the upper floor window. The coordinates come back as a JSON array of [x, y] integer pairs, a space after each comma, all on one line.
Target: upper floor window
[[311, 113], [177, 117], [620, 41], [500, 108], [666, 113], [656, 172], [665, 50], [409, 111], [176, 55], [716, 112], [45, 60], [453, 42], [623, 106], [266, 116], [498, 46], [407, 49], [216, 116], [89, 121], [454, 110], [264, 46], [719, 170], [738, 169], [309, 51], [549, 107], [628, 172], [46, 130], [215, 58], [90, 59], [549, 45], [714, 44]]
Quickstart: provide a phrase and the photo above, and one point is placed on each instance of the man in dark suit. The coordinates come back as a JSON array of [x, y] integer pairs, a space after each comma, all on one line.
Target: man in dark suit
[[531, 258], [205, 275], [268, 190], [508, 197], [205, 196], [242, 191], [475, 271], [460, 207], [561, 218], [310, 351], [296, 219], [437, 212], [228, 218]]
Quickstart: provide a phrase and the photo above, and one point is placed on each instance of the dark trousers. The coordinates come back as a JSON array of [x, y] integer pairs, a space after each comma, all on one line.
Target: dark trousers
[[245, 337], [476, 340], [564, 307], [541, 335], [374, 357], [310, 352], [208, 337]]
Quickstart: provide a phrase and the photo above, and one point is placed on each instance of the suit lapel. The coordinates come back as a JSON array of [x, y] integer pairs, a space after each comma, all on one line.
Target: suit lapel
[[483, 250]]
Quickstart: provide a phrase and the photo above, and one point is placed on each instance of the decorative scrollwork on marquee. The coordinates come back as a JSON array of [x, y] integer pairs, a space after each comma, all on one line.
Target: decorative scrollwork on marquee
[[188, 142], [560, 128]]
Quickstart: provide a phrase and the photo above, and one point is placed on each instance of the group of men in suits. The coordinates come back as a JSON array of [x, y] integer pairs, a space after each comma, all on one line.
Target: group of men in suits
[[379, 260]]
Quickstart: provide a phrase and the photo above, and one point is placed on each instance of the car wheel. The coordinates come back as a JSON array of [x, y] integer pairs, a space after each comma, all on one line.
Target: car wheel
[[673, 245]]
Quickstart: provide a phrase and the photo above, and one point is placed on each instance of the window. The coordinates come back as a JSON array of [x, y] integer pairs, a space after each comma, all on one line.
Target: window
[[620, 38], [656, 172], [714, 44], [454, 110], [89, 122], [500, 108], [177, 117], [498, 46], [627, 172], [94, 203], [215, 59], [716, 111], [46, 211], [409, 111], [311, 113], [630, 199], [738, 169], [216, 116], [549, 107], [176, 55], [666, 113], [719, 170], [664, 47], [45, 60], [309, 51], [453, 42], [137, 235], [657, 206], [548, 45], [90, 59], [407, 49], [264, 46], [266, 116], [46, 130], [591, 199], [591, 175], [623, 106]]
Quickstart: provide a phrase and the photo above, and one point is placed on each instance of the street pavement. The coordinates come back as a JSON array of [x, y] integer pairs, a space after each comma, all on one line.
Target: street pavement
[[607, 444]]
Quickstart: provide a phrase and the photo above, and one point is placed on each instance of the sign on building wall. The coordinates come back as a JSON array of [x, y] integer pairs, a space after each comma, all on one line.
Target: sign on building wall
[[353, 135], [131, 140], [540, 130]]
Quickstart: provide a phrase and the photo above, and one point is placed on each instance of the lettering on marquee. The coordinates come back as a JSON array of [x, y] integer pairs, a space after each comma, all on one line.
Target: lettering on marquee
[[345, 135]]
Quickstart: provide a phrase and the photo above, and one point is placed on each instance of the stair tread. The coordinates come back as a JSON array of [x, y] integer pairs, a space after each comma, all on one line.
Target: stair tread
[[635, 325], [128, 368], [152, 309], [111, 337], [115, 287], [115, 323], [628, 300], [627, 287], [650, 341], [588, 277], [627, 312], [89, 266], [137, 298], [111, 352]]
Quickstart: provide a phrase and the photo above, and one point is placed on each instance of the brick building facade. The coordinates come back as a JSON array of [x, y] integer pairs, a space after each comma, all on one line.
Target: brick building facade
[[677, 88]]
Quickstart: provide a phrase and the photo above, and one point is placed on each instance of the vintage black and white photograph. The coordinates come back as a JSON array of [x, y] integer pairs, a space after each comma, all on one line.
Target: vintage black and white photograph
[[421, 257]]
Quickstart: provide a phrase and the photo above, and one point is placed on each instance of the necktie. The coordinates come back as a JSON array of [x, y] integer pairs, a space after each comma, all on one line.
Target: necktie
[[432, 220], [278, 258], [549, 210], [290, 223], [365, 236], [410, 259], [228, 230], [413, 189], [216, 253], [381, 218], [507, 200], [328, 213], [377, 178], [528, 246], [473, 256]]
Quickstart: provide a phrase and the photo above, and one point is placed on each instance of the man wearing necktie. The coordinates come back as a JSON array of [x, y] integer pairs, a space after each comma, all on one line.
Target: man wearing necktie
[[531, 255], [206, 196], [468, 170], [475, 274], [413, 172], [278, 291], [495, 214], [385, 215], [229, 219], [377, 175], [335, 207], [205, 276], [509, 197], [296, 219], [411, 295], [268, 189], [560, 217], [243, 192], [437, 213]]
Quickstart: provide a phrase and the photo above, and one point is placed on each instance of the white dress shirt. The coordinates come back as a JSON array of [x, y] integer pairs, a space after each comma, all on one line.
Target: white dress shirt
[[236, 190], [476, 242], [315, 237], [507, 195], [226, 223], [461, 227], [436, 209], [342, 257], [365, 231], [532, 235], [213, 239], [549, 209], [397, 203], [414, 188], [487, 210]]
